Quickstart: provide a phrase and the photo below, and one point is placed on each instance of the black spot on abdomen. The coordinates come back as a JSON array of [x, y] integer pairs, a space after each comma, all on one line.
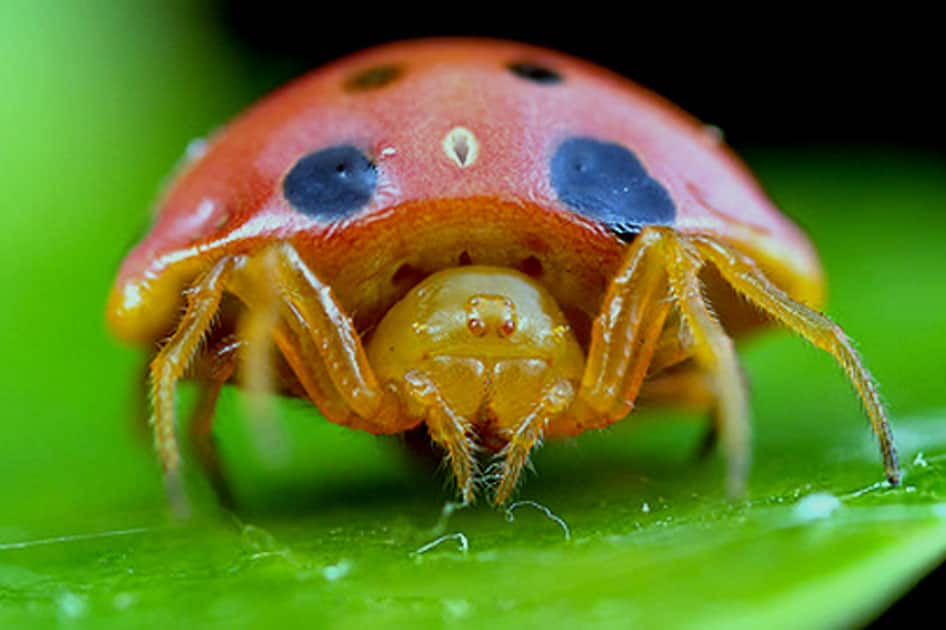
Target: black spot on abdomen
[[606, 182], [534, 72], [332, 183], [372, 78]]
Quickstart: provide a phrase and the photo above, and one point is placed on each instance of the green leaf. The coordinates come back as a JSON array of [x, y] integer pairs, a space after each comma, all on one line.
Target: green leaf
[[340, 531]]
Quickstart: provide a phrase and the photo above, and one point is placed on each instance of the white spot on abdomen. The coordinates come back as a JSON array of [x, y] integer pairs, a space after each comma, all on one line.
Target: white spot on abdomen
[[461, 146]]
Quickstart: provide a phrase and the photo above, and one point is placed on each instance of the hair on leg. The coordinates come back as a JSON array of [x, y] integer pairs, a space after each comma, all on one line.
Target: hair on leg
[[449, 429], [255, 329], [625, 334], [555, 399], [747, 279], [213, 370], [715, 352], [170, 364]]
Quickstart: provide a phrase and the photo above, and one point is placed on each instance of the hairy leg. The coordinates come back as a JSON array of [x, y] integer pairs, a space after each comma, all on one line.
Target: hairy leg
[[313, 303], [686, 387], [555, 399], [746, 278], [625, 335], [318, 341], [253, 286], [173, 360], [715, 353], [213, 370], [303, 359], [683, 387], [256, 327], [675, 345], [448, 429]]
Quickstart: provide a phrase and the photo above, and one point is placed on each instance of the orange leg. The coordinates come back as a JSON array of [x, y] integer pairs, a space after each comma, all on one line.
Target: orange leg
[[287, 303], [173, 360], [253, 286], [715, 352], [625, 335], [686, 387], [747, 279], [448, 429], [313, 304], [306, 364], [556, 399], [318, 341], [675, 346], [256, 329], [139, 403], [215, 369]]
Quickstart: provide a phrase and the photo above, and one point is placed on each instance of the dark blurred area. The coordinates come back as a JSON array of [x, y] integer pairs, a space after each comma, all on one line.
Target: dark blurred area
[[783, 76]]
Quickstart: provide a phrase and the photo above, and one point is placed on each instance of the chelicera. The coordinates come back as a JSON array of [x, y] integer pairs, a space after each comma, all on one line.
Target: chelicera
[[496, 242]]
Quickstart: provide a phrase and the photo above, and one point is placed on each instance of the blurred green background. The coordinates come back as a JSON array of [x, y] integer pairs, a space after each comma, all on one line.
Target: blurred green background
[[99, 101]]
